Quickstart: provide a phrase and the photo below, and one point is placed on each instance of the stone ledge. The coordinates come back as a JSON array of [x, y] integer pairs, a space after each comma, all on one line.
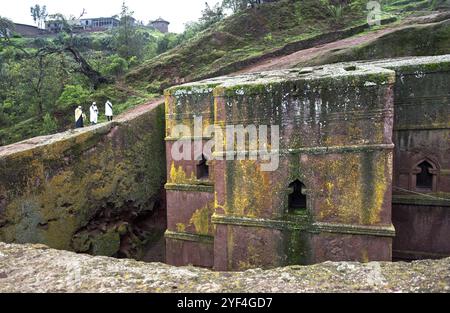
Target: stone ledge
[[73, 135], [69, 182], [419, 201], [259, 222], [189, 237], [414, 255], [377, 231], [311, 151], [411, 65], [305, 225], [190, 187]]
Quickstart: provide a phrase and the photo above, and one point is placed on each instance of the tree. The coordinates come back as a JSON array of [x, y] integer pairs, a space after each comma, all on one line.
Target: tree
[[39, 14], [239, 5], [116, 65], [234, 5], [66, 44], [6, 27], [42, 79], [41, 72], [129, 41], [211, 15], [73, 96], [29, 86], [163, 45], [49, 124]]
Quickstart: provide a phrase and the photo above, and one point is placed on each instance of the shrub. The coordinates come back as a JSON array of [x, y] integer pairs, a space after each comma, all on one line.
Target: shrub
[[72, 96], [49, 125], [116, 66]]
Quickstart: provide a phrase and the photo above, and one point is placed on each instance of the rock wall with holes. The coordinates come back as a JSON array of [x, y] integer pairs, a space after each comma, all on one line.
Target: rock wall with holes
[[330, 196], [97, 190], [421, 205]]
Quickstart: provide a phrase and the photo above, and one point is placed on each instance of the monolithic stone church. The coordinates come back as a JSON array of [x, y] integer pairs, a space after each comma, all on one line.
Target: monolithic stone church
[[364, 167]]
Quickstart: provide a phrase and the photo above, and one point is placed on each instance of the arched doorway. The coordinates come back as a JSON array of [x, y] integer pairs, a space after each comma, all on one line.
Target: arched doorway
[[424, 176], [297, 197]]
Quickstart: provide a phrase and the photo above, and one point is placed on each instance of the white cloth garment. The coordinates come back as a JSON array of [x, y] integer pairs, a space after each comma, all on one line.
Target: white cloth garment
[[108, 108], [93, 114], [78, 114]]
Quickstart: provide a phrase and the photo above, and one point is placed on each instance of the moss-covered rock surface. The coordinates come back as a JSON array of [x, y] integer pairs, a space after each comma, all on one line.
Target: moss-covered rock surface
[[413, 40], [28, 268], [86, 190]]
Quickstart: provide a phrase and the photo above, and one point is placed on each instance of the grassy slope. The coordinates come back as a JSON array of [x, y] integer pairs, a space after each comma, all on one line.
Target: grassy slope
[[253, 33], [418, 40], [241, 36]]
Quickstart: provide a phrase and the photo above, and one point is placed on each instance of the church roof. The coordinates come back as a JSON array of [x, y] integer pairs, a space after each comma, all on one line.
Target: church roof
[[160, 20]]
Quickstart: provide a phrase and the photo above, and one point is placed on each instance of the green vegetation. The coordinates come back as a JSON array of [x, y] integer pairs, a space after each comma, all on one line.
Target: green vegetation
[[39, 14], [420, 40], [413, 5], [255, 31], [249, 33], [42, 80]]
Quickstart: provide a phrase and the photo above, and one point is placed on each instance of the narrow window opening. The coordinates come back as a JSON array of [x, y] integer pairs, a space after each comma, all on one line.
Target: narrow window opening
[[297, 199], [424, 179], [203, 169]]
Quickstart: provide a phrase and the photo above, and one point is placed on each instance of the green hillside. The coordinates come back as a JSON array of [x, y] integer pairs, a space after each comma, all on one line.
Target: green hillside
[[136, 71], [39, 90], [247, 34], [417, 40], [270, 29]]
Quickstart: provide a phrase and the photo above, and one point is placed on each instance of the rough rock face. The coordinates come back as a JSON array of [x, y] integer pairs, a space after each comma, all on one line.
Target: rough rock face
[[92, 190], [36, 268], [421, 211]]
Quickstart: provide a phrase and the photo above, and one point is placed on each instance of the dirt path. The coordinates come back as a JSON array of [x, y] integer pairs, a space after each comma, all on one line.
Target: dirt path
[[295, 58], [140, 109], [292, 60]]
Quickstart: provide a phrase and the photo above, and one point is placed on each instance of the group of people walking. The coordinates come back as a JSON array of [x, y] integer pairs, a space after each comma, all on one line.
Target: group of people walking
[[80, 117]]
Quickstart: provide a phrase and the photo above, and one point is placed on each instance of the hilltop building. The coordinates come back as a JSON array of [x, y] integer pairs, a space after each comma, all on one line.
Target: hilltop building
[[87, 24], [161, 25], [24, 30], [100, 23], [56, 26]]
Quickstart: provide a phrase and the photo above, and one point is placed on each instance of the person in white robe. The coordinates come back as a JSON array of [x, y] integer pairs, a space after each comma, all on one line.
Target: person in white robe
[[109, 110], [93, 113], [79, 117]]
